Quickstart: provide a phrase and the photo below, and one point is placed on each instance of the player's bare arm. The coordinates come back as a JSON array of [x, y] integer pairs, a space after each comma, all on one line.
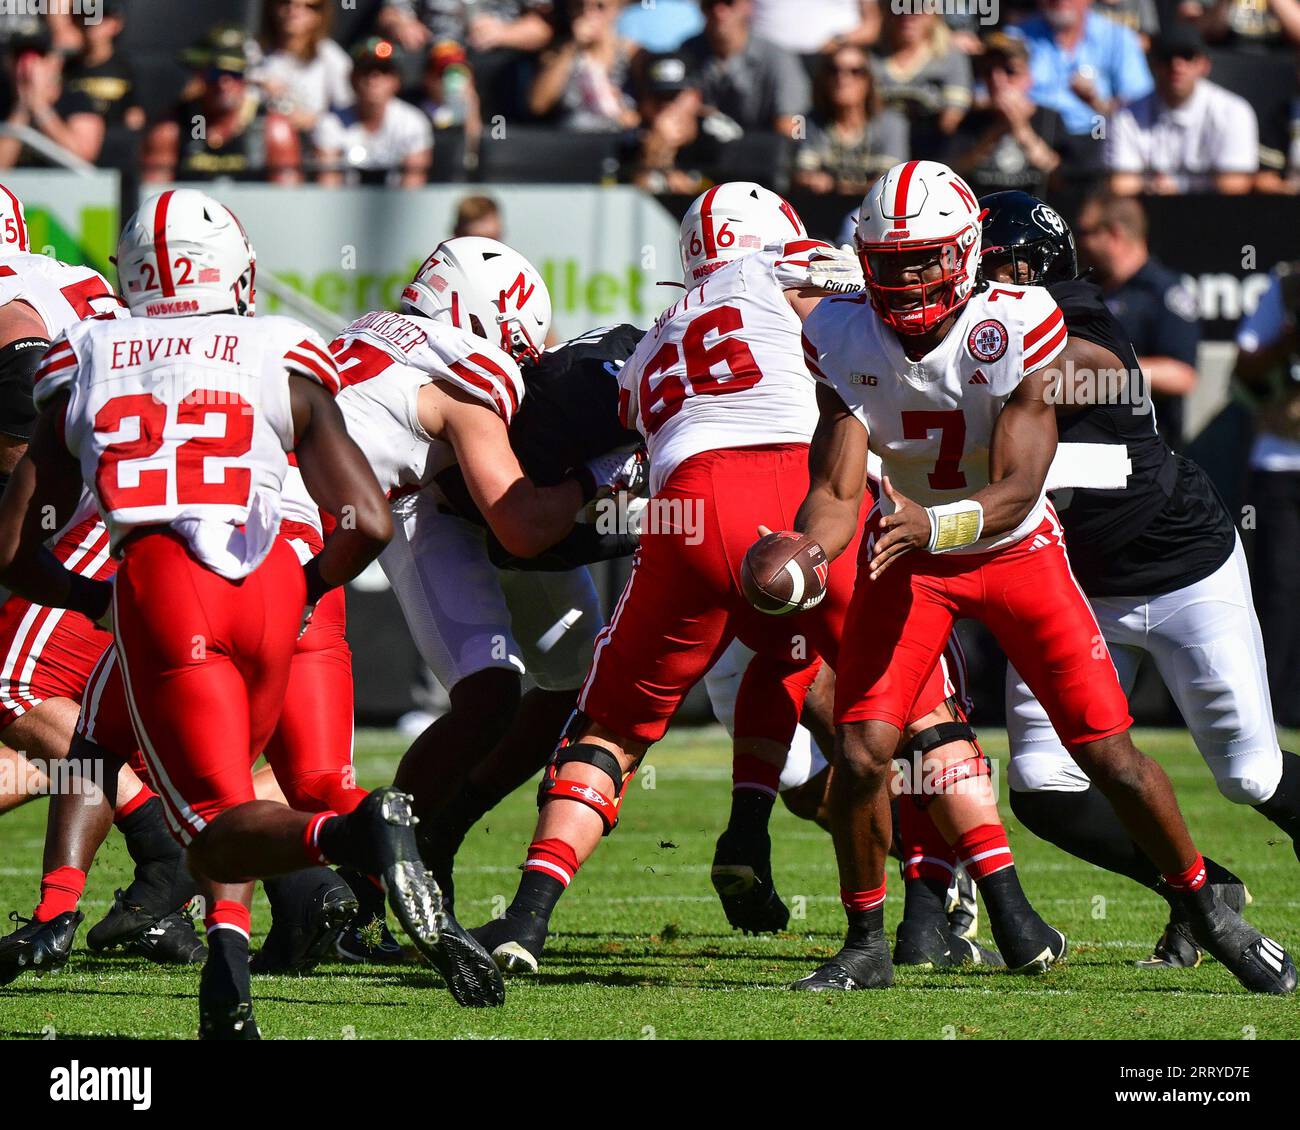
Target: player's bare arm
[[40, 498], [1020, 453], [837, 468], [343, 485], [1086, 372], [525, 518]]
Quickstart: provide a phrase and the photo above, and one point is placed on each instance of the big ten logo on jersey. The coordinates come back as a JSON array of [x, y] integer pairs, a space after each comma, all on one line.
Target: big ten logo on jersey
[[697, 366]]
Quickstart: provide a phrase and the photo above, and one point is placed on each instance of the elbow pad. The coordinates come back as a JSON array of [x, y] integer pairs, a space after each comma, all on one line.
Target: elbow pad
[[18, 363]]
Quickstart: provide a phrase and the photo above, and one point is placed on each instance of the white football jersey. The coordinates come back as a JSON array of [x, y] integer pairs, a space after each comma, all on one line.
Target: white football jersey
[[722, 366], [384, 359], [931, 421], [185, 422], [59, 292]]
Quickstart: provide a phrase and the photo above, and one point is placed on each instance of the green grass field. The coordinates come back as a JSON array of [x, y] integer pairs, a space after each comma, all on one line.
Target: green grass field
[[642, 949]]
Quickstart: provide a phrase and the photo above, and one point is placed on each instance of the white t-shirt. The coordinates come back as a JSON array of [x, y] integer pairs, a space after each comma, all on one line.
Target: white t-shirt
[[1214, 131], [404, 131], [805, 26], [315, 86]]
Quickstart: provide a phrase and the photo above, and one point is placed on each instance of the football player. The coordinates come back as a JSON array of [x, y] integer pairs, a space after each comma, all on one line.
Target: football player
[[1164, 571], [180, 422], [727, 420], [46, 653], [947, 382], [430, 392]]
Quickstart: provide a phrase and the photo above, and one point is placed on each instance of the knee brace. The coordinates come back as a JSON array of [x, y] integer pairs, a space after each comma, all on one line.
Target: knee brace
[[921, 789], [555, 786]]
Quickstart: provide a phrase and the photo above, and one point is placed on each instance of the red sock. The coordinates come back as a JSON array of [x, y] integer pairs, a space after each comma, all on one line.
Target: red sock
[[1193, 879], [226, 914], [751, 772], [984, 850], [311, 836], [60, 892], [863, 900], [555, 858], [926, 854], [143, 797]]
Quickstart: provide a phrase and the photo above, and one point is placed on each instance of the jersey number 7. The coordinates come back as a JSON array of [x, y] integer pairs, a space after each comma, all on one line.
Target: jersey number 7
[[951, 426], [150, 488]]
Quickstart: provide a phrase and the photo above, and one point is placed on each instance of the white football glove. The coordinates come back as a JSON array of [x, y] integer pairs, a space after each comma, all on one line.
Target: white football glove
[[617, 472], [835, 269]]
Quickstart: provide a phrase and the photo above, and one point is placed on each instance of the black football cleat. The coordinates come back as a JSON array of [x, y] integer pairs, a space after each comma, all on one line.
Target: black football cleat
[[1027, 944], [41, 947], [381, 831], [1258, 962], [228, 1022], [1176, 948], [123, 924], [172, 940], [298, 944], [934, 945], [515, 942], [368, 943], [963, 907], [863, 965], [742, 876]]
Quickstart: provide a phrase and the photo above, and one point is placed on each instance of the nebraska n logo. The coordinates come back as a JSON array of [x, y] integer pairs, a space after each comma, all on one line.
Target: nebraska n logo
[[521, 288], [979, 378]]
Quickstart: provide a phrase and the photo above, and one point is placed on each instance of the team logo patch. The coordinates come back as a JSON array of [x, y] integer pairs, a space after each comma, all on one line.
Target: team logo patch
[[988, 340]]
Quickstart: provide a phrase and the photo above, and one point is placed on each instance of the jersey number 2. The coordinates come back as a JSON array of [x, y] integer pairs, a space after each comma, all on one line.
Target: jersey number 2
[[951, 426], [150, 488]]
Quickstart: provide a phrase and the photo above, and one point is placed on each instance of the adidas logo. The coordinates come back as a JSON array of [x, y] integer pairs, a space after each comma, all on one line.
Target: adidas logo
[[1039, 542], [1271, 952], [979, 378]]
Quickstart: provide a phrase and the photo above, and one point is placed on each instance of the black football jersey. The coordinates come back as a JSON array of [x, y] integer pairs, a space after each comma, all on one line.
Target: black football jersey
[[1168, 527]]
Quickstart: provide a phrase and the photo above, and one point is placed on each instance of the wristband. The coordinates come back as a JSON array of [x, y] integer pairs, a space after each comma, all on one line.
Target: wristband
[[955, 525]]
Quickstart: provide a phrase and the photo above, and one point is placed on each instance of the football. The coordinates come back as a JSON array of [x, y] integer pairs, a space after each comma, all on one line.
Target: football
[[784, 572]]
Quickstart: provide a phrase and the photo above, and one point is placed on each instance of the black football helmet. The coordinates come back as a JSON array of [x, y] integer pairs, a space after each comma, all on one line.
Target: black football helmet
[[1021, 229]]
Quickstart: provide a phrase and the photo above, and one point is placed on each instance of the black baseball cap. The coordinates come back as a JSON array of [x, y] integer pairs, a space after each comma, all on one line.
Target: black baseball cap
[[1178, 39], [667, 73], [224, 48]]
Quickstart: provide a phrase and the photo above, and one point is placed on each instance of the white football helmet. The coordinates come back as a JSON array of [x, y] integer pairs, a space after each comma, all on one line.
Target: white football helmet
[[918, 237], [732, 220], [485, 287], [184, 253], [13, 223]]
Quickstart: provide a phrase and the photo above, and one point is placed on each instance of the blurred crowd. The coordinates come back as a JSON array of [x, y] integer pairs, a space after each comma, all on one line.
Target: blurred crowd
[[1137, 96]]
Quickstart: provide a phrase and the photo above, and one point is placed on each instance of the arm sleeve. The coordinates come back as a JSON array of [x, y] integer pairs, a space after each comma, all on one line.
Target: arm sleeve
[[19, 361], [583, 545]]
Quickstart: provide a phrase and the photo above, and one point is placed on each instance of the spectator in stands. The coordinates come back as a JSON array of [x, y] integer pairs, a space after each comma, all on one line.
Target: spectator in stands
[[1140, 16], [36, 98], [303, 72], [582, 79], [1256, 25], [669, 150], [1009, 143], [379, 137], [1268, 366], [450, 98], [1189, 134], [662, 26], [1084, 66], [752, 82], [479, 215], [852, 138], [808, 27], [1153, 304], [501, 36], [924, 76], [99, 72], [224, 130]]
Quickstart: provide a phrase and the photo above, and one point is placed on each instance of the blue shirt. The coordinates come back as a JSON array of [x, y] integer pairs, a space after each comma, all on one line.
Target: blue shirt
[[1113, 52], [662, 26]]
